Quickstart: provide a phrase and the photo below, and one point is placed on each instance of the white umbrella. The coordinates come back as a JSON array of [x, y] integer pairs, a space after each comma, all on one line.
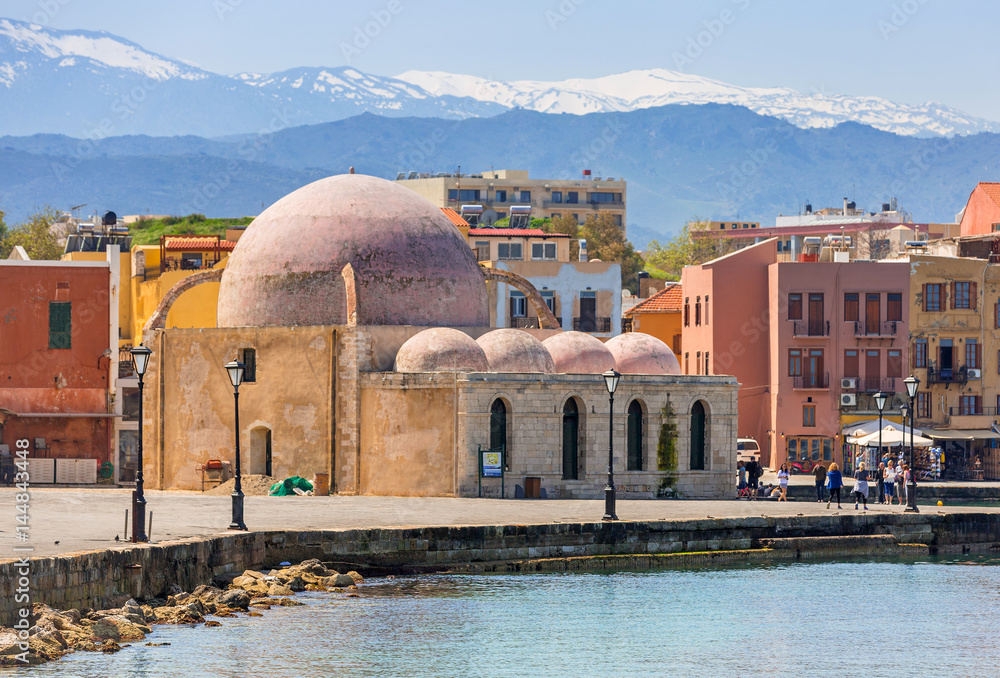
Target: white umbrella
[[861, 429], [892, 437]]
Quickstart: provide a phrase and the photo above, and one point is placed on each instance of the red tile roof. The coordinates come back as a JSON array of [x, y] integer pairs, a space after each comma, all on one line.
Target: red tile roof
[[992, 190], [455, 217], [667, 300], [516, 232], [194, 242]]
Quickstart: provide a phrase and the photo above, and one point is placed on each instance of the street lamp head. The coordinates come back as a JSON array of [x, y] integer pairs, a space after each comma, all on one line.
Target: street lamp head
[[880, 399], [611, 378], [140, 357], [905, 410], [236, 370], [911, 386]]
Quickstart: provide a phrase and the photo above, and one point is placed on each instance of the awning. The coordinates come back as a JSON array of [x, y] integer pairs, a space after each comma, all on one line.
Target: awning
[[963, 434], [857, 429]]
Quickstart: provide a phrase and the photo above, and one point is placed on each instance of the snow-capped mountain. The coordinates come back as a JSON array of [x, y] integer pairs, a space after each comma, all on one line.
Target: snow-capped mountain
[[660, 87]]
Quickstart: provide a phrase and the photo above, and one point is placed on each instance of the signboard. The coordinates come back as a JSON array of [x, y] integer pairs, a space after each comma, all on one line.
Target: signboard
[[492, 464]]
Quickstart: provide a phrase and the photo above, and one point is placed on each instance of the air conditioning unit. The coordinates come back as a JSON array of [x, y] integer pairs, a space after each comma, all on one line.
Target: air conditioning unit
[[974, 373], [848, 383], [848, 399]]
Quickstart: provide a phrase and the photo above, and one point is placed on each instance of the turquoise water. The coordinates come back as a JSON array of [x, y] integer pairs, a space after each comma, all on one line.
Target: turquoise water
[[812, 619]]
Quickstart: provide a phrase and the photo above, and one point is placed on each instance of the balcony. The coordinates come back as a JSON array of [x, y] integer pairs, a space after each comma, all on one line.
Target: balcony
[[973, 411], [876, 384], [524, 323], [948, 375], [126, 368], [811, 328], [886, 329], [599, 324], [812, 381]]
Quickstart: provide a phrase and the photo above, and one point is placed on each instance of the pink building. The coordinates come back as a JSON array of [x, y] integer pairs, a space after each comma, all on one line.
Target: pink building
[[809, 342]]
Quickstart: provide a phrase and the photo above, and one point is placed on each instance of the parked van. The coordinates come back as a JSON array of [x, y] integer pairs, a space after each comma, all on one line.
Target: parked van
[[747, 449]]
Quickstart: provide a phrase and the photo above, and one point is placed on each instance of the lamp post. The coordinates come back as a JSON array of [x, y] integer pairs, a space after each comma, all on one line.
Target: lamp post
[[880, 399], [911, 489], [611, 378], [140, 360], [236, 370]]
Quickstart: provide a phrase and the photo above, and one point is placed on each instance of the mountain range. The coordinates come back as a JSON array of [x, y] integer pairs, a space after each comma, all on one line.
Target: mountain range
[[94, 84]]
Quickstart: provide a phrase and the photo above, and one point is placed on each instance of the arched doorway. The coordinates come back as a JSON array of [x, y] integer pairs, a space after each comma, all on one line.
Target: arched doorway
[[634, 437], [260, 451], [571, 440], [498, 429], [698, 437]]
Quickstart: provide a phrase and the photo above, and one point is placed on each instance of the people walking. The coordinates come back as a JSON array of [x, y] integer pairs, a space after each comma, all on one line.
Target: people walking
[[879, 480], [753, 476], [889, 481], [861, 486], [906, 482], [820, 474], [900, 481], [741, 476], [783, 482], [834, 481]]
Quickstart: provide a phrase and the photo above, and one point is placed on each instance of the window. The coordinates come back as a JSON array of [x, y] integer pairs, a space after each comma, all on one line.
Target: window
[[572, 197], [920, 353], [802, 448], [970, 404], [794, 362], [571, 435], [518, 305], [543, 250], [463, 195], [894, 311], [809, 415], [996, 315], [894, 363], [707, 363], [605, 197], [501, 196], [191, 261], [525, 196], [795, 306], [960, 295], [549, 297], [697, 362], [634, 436], [687, 363], [851, 307], [972, 354], [706, 309], [248, 357], [697, 311], [698, 430], [509, 251], [932, 296], [851, 364], [924, 405], [557, 196], [687, 312], [60, 324], [130, 404], [498, 430]]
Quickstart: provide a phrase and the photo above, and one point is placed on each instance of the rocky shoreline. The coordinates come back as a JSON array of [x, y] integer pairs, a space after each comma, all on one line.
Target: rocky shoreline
[[56, 633]]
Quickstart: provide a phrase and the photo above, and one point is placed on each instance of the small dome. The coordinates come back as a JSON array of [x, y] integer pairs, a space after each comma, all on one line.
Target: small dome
[[579, 353], [638, 353], [510, 350], [441, 349]]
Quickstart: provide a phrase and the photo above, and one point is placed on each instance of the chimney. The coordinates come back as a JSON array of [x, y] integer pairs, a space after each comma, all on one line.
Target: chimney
[[845, 207]]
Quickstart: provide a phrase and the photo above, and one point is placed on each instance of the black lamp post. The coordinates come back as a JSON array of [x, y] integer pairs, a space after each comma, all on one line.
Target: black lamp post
[[911, 489], [880, 399], [236, 370], [140, 360], [611, 378]]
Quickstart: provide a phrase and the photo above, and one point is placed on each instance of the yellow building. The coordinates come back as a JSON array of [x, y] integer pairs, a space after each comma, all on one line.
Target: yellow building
[[660, 316]]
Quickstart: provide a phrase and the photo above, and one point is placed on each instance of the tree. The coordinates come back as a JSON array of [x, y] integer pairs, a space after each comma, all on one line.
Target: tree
[[688, 248], [606, 241], [35, 235], [567, 226]]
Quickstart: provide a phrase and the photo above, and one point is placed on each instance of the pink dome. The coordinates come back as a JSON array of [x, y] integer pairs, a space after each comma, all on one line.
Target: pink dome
[[638, 353], [510, 350], [441, 349], [579, 353], [411, 265]]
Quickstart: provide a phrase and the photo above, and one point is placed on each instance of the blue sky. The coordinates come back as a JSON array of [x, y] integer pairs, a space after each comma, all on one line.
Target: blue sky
[[905, 50]]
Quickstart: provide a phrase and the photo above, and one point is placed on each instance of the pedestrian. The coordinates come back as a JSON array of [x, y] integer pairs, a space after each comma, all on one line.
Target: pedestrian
[[889, 483], [861, 486], [879, 480], [783, 482], [834, 481], [906, 483], [820, 473], [753, 469], [901, 481], [742, 476]]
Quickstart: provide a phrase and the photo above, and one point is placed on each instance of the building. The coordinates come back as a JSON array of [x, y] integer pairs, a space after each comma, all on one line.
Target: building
[[981, 214], [365, 315], [660, 316], [58, 360], [583, 295], [496, 192], [732, 225], [809, 342]]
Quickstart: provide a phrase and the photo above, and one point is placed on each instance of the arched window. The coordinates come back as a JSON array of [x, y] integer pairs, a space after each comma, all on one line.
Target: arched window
[[634, 440], [698, 437], [571, 438], [498, 429]]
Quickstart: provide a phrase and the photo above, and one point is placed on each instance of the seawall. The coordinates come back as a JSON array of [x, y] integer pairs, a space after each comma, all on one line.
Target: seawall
[[104, 579]]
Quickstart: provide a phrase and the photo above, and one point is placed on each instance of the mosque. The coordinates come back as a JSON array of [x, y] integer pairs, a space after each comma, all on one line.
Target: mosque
[[362, 315]]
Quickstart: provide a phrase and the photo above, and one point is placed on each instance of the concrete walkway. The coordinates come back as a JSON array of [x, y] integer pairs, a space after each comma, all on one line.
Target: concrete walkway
[[64, 521]]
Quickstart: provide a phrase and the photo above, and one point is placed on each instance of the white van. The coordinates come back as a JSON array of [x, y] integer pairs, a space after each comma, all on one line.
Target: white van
[[747, 449]]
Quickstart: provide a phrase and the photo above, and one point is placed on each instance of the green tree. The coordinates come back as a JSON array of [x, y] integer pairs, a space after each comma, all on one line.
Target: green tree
[[687, 249], [35, 235], [568, 226], [606, 241]]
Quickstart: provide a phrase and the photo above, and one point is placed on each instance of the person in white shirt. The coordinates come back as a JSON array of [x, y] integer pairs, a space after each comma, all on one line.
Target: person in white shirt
[[783, 482], [890, 481]]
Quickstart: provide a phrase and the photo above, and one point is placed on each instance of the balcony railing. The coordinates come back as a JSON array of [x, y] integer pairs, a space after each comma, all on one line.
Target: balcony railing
[[126, 368], [599, 324], [524, 323], [948, 375], [817, 381], [876, 384], [811, 328], [886, 329], [972, 411]]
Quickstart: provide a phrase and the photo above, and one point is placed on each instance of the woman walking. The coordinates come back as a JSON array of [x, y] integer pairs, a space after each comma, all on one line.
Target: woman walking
[[889, 481], [879, 481], [783, 482], [901, 481], [906, 483], [861, 486], [834, 481]]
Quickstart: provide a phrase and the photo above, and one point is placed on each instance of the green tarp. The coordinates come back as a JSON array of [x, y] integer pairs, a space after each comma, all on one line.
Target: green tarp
[[288, 486]]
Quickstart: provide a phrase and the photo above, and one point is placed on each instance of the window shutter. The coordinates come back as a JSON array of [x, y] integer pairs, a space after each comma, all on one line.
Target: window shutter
[[996, 316], [511, 302], [954, 290], [972, 296], [926, 295]]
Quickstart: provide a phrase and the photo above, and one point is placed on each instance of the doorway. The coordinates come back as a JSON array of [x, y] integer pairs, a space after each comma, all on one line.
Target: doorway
[[571, 439], [260, 451]]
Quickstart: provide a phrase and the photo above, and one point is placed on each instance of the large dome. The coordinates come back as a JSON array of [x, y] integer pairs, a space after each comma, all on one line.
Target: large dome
[[411, 265], [579, 353], [441, 349], [511, 350], [638, 353]]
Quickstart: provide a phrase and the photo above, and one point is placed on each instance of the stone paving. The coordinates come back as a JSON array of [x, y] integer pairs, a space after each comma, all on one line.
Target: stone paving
[[68, 520]]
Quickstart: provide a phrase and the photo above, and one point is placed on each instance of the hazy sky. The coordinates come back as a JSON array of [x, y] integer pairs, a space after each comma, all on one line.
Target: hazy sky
[[910, 51]]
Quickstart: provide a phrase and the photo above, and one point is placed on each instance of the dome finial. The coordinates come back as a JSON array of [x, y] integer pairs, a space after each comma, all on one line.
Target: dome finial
[[351, 171]]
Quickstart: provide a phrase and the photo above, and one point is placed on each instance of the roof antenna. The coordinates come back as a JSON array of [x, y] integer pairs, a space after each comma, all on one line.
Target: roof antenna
[[351, 171]]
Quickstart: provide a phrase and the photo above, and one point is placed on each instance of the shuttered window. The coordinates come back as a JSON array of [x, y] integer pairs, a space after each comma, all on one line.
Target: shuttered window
[[60, 324]]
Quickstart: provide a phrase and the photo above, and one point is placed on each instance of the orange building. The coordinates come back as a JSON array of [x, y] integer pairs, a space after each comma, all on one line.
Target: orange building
[[660, 316], [982, 213]]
